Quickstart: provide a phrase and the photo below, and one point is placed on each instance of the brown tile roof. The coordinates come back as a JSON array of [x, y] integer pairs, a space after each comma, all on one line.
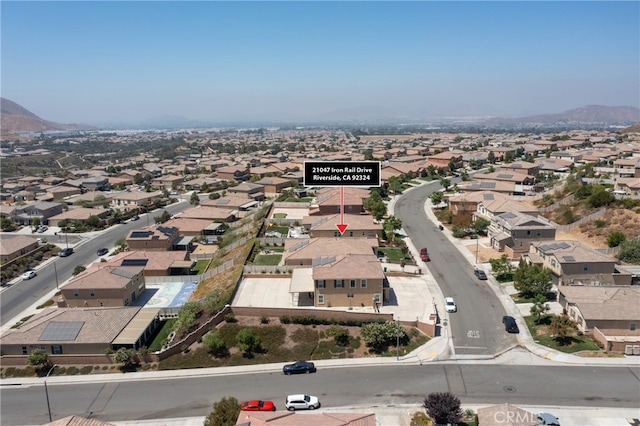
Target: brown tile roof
[[569, 251], [102, 276], [350, 266], [11, 244], [80, 213], [157, 260], [323, 247], [329, 222], [100, 325], [284, 418], [603, 302]]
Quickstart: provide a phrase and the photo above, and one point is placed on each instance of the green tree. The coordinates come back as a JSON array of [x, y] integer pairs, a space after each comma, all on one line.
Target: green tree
[[395, 184], [214, 195], [436, 197], [121, 243], [491, 158], [532, 280], [561, 326], [616, 238], [125, 357], [540, 307], [93, 221], [601, 198], [378, 336], [340, 335], [391, 224], [7, 224], [165, 216], [431, 169], [480, 225], [630, 251], [194, 200], [215, 343], [38, 359], [446, 183], [508, 157], [225, 413], [78, 269], [443, 408], [187, 316], [501, 267], [247, 340], [35, 222]]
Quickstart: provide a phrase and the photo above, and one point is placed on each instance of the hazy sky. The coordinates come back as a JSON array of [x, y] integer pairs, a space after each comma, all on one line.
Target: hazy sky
[[95, 62]]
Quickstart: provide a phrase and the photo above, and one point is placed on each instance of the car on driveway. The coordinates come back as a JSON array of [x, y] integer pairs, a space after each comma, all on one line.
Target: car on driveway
[[510, 324], [480, 274], [302, 402], [66, 252], [102, 251], [299, 367], [257, 405], [29, 274], [450, 304]]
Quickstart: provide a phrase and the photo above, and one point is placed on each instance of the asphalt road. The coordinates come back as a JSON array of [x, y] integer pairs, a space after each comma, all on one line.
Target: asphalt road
[[17, 298], [119, 400], [477, 327]]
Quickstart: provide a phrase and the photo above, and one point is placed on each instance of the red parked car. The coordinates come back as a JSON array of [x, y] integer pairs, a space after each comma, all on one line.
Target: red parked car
[[424, 255], [257, 405], [423, 250]]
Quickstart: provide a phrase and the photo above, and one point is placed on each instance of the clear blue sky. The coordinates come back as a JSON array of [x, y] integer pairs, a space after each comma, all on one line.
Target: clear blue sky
[[130, 61]]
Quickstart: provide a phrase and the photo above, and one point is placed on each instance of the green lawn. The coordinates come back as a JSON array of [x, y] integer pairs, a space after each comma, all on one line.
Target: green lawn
[[200, 267], [162, 335], [570, 345], [395, 254], [267, 259], [298, 200], [280, 216]]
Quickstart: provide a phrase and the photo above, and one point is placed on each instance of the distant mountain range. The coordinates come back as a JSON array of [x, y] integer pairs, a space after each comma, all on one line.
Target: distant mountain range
[[16, 118]]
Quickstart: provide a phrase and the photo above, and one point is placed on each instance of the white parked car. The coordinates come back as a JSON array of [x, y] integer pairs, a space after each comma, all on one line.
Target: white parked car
[[450, 304], [29, 274], [302, 402]]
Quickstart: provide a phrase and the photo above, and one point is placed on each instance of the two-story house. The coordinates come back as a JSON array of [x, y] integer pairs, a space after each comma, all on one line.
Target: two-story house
[[328, 201], [43, 210], [103, 285], [360, 226], [157, 238], [307, 252], [572, 263], [237, 173], [273, 186], [513, 232], [134, 200]]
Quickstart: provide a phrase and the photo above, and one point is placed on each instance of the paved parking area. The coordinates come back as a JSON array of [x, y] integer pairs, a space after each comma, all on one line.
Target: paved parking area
[[264, 292]]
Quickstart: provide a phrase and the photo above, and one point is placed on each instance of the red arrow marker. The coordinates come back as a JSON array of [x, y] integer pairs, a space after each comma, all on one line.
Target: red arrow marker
[[342, 226]]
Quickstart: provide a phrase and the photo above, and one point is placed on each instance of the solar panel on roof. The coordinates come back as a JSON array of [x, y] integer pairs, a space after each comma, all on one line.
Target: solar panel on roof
[[488, 197], [504, 176], [134, 262], [569, 258], [223, 201], [139, 234], [489, 185], [61, 331]]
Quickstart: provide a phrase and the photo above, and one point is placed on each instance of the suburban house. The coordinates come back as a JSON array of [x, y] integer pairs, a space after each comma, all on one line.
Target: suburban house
[[154, 263], [273, 186], [13, 247], [518, 177], [360, 226], [443, 159], [237, 173], [230, 203], [327, 201], [167, 182], [103, 285], [628, 186], [513, 232], [469, 201], [80, 214], [192, 227], [503, 187], [609, 314], [43, 210], [487, 209], [530, 169], [210, 183], [80, 331], [95, 183], [58, 193], [349, 280], [211, 214], [156, 238], [627, 167], [553, 165], [308, 252], [247, 190], [572, 263], [133, 200]]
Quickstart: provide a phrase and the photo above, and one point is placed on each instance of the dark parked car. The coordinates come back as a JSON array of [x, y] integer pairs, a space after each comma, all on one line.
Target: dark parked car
[[299, 367], [102, 251], [480, 274], [510, 324], [66, 252]]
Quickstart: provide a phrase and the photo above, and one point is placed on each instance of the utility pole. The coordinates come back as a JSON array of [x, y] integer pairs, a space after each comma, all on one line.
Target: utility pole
[[46, 391], [477, 242]]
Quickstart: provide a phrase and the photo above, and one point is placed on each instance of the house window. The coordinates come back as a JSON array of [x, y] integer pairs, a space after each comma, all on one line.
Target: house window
[[321, 299], [339, 284], [56, 349], [320, 283], [92, 293], [585, 267], [352, 284], [336, 233], [363, 283], [633, 326], [76, 293], [553, 262], [537, 233], [528, 232], [351, 233], [376, 297], [24, 350]]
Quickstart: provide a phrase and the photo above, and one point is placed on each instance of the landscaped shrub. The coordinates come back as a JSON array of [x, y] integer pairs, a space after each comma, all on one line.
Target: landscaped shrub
[[230, 318]]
